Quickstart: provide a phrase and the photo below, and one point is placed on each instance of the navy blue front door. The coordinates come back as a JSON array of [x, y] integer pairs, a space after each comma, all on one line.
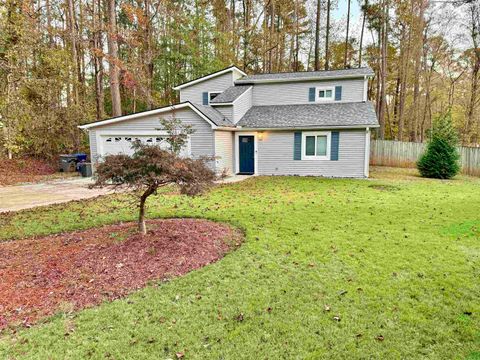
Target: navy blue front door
[[246, 154]]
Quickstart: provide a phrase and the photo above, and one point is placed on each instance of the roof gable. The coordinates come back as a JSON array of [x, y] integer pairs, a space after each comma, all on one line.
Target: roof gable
[[212, 116], [209, 76]]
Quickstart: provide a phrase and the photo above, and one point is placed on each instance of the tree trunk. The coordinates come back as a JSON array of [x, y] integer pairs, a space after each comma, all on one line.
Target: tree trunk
[[317, 37], [327, 53], [395, 102], [114, 70], [361, 36], [97, 58], [420, 24], [142, 228], [149, 66], [383, 71], [297, 40], [472, 104], [345, 59], [234, 35], [73, 49], [49, 21], [404, 65]]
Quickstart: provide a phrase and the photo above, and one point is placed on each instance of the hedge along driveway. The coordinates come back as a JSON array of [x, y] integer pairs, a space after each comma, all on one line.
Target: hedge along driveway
[[329, 269]]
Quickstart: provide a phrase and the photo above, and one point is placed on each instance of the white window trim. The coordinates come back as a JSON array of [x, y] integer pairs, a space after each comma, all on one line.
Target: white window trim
[[316, 133], [212, 92], [319, 99], [237, 150]]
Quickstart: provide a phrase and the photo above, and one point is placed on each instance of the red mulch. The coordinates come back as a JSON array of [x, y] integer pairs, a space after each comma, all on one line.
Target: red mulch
[[41, 276], [23, 170]]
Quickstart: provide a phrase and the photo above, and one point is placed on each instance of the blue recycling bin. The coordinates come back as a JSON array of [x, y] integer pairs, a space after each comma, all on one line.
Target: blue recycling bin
[[80, 157]]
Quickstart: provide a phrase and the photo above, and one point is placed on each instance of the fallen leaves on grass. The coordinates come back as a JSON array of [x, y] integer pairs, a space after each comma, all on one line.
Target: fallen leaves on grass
[[71, 271], [23, 170]]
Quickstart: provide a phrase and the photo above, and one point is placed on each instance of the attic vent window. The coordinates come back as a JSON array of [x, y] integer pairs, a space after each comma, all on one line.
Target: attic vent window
[[212, 95]]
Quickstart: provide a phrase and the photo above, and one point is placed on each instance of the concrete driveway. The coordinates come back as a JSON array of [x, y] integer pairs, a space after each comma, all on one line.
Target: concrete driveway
[[27, 196]]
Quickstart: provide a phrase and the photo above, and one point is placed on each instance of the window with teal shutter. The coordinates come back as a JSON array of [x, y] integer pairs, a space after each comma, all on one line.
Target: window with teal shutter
[[311, 94], [335, 144], [338, 93], [205, 98], [297, 145], [316, 145]]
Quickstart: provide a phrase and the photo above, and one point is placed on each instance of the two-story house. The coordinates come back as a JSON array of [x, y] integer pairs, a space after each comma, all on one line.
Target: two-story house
[[300, 123]]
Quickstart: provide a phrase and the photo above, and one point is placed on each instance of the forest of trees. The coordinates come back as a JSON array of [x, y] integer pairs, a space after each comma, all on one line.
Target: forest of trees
[[68, 62]]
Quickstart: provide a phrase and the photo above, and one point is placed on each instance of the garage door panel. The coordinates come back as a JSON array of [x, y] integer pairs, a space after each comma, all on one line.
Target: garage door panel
[[113, 144]]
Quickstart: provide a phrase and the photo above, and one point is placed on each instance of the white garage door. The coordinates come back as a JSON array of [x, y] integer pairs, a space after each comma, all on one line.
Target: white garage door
[[122, 144]]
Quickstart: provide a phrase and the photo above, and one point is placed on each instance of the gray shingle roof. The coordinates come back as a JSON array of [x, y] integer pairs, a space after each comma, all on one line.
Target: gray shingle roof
[[306, 75], [230, 95], [310, 115], [214, 115]]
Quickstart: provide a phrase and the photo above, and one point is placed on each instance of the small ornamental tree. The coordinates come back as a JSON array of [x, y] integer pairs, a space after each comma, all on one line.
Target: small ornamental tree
[[150, 168], [440, 160], [178, 133]]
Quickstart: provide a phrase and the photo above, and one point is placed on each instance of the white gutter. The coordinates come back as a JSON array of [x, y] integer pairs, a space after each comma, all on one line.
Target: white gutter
[[367, 153], [240, 128]]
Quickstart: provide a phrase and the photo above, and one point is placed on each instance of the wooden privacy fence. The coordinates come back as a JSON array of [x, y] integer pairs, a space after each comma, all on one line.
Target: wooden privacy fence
[[406, 154]]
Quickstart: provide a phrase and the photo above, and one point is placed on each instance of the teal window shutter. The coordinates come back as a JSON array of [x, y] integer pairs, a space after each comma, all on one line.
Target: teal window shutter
[[338, 93], [335, 142], [311, 94], [297, 145], [205, 98]]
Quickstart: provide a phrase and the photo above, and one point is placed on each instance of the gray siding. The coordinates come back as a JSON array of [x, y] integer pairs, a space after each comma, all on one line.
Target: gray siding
[[225, 110], [202, 141], [93, 145], [275, 156], [297, 92], [224, 151], [242, 104], [194, 92]]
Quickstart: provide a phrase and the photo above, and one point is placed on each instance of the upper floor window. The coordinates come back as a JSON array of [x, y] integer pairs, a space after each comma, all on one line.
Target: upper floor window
[[325, 93], [212, 95]]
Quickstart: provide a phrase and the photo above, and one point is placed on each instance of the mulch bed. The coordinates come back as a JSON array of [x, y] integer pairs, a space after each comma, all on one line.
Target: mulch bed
[[71, 271], [24, 170]]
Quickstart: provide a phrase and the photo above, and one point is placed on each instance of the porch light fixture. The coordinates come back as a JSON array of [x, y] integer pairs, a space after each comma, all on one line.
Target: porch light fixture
[[260, 136]]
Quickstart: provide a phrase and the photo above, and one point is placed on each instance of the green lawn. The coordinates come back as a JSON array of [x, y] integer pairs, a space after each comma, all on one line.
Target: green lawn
[[396, 260]]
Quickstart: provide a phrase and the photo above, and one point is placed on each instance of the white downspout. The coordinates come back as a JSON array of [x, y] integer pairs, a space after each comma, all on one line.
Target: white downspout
[[367, 153]]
